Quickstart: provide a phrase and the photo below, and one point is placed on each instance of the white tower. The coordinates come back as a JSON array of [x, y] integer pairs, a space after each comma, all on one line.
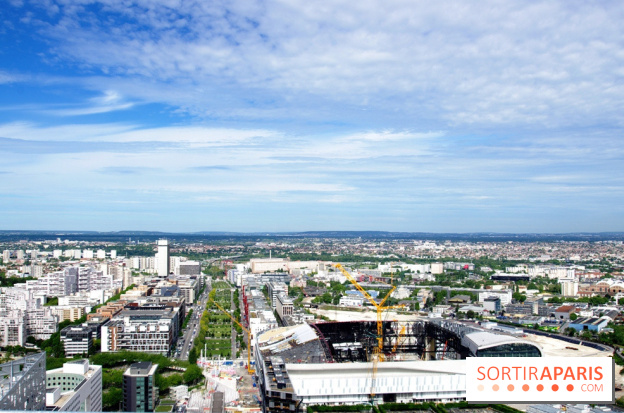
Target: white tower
[[162, 262]]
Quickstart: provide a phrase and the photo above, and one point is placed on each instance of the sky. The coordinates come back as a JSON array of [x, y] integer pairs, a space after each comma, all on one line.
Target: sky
[[243, 115]]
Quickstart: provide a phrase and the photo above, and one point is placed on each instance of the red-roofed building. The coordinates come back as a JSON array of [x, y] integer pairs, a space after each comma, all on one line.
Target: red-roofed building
[[563, 312]]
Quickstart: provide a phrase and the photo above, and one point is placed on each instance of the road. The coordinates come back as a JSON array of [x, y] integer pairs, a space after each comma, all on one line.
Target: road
[[185, 342]]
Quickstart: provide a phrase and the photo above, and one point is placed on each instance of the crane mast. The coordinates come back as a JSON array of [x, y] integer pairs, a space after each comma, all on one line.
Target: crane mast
[[377, 354]]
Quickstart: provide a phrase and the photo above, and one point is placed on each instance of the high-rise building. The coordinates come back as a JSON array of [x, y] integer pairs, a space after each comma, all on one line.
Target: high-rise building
[[162, 263], [23, 383], [139, 391], [77, 386]]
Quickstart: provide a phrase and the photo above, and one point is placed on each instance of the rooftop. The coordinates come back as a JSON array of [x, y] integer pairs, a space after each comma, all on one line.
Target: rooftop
[[141, 368]]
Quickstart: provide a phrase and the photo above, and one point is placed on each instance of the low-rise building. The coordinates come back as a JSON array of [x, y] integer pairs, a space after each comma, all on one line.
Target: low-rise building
[[589, 323], [351, 301], [492, 304], [563, 312], [504, 295]]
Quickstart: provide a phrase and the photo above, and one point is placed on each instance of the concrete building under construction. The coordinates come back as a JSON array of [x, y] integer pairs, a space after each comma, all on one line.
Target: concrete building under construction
[[331, 363]]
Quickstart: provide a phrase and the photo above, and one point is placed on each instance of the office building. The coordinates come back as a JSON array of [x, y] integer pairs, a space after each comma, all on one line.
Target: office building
[[139, 390], [275, 289], [285, 306], [77, 340]]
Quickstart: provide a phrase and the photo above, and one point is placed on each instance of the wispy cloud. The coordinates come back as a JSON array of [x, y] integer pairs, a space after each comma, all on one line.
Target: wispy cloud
[[10, 78], [421, 61]]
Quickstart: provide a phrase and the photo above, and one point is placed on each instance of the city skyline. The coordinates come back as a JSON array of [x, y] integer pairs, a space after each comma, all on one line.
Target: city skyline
[[248, 117]]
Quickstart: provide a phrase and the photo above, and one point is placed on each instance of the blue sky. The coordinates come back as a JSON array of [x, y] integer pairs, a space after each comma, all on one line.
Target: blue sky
[[450, 116]]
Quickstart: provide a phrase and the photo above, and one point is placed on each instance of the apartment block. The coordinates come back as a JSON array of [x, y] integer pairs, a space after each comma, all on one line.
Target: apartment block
[[151, 330], [12, 330]]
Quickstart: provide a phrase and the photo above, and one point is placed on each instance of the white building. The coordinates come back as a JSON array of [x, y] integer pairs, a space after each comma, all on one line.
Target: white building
[[275, 289], [180, 392], [437, 268], [569, 288], [41, 323], [77, 386], [162, 258], [504, 295], [12, 330], [262, 265], [351, 301]]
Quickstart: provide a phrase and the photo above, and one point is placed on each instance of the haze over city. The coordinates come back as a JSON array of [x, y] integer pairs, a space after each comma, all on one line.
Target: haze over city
[[250, 116]]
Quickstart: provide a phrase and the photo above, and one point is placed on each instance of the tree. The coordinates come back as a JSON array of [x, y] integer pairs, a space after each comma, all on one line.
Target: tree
[[111, 399], [192, 358], [570, 332], [621, 301], [573, 316], [470, 314], [519, 297], [586, 335], [192, 375]]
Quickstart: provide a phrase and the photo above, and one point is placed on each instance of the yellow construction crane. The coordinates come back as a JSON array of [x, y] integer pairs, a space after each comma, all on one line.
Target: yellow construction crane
[[377, 350], [249, 369]]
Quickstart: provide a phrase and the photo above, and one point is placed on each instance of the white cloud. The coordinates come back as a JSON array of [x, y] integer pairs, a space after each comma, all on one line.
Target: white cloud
[[546, 63], [10, 78]]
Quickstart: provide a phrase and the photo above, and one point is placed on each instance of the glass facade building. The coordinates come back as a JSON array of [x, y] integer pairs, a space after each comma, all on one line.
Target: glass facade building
[[139, 392]]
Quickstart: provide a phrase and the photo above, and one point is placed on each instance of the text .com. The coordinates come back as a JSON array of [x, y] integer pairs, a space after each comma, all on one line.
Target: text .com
[[550, 379]]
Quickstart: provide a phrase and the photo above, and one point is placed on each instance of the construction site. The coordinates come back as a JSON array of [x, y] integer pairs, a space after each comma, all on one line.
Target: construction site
[[385, 357], [344, 362]]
